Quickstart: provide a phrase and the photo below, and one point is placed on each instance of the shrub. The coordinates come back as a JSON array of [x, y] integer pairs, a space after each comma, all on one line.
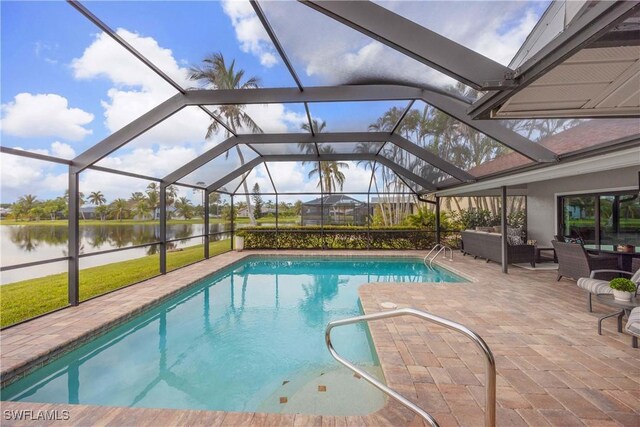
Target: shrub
[[472, 218], [622, 284], [336, 237]]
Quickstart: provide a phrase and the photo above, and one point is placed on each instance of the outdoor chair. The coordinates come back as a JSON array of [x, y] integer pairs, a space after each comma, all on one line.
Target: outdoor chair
[[633, 326], [575, 262], [598, 286]]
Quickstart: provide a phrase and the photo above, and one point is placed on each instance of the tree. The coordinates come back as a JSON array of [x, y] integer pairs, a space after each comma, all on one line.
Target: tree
[[28, 201], [172, 193], [102, 211], [330, 176], [97, 198], [140, 208], [317, 127], [119, 208], [36, 212], [257, 201], [81, 202], [153, 197], [184, 207], [215, 74], [329, 172], [297, 208], [54, 207], [18, 210], [214, 203]]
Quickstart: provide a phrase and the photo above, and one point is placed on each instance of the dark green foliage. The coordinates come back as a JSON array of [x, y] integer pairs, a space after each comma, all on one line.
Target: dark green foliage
[[257, 201], [622, 284], [472, 218], [342, 238]]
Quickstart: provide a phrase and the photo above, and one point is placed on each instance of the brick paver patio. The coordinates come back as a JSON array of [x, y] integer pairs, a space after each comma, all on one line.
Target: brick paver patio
[[553, 368]]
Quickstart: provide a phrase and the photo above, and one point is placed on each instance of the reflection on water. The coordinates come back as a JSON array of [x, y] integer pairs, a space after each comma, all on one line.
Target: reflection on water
[[21, 244], [230, 343]]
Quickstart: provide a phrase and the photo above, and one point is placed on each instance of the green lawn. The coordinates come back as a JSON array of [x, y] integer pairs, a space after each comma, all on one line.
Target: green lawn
[[29, 298]]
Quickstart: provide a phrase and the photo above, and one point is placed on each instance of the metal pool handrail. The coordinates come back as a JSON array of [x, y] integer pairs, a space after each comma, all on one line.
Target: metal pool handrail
[[490, 364], [440, 248]]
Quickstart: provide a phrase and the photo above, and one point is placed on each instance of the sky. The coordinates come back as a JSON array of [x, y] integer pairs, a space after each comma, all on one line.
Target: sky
[[65, 85]]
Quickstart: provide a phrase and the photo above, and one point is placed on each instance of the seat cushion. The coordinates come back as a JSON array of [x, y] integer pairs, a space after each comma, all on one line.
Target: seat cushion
[[595, 286], [633, 323]]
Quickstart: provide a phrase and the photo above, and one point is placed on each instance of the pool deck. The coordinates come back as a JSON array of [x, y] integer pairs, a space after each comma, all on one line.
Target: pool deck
[[553, 368]]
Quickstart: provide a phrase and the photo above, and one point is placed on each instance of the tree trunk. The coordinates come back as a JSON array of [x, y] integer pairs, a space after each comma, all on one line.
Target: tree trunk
[[252, 218]]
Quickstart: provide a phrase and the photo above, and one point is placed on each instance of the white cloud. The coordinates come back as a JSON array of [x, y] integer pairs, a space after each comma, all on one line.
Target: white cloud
[[249, 31], [357, 178], [60, 149], [44, 115], [275, 118], [137, 88], [335, 53], [99, 59], [20, 176], [176, 140]]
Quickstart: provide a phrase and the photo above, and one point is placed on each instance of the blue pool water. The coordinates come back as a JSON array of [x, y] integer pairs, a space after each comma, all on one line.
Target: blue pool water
[[229, 342]]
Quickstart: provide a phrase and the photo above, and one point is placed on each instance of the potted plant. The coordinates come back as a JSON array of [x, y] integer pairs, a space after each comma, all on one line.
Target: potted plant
[[623, 289], [239, 241]]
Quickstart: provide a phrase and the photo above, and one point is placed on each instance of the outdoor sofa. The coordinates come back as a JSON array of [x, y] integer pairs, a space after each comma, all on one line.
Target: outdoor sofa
[[488, 245]]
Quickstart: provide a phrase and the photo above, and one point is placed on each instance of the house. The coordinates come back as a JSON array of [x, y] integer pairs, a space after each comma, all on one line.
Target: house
[[596, 198], [336, 210]]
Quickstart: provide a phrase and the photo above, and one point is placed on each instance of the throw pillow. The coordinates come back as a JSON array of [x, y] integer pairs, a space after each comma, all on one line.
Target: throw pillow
[[514, 236]]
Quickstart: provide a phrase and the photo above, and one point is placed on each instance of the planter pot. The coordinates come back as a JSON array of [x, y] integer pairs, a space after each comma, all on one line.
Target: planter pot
[[239, 243], [621, 295]]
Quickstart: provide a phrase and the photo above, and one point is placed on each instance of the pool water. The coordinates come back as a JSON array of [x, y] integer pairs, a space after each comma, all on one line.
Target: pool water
[[239, 340]]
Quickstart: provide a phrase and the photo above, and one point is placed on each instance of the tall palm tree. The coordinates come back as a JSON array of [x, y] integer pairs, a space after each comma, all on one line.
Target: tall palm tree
[[216, 74], [329, 172], [97, 198], [317, 128]]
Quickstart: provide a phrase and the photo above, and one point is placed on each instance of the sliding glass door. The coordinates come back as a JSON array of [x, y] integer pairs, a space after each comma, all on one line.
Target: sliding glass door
[[579, 217], [606, 218]]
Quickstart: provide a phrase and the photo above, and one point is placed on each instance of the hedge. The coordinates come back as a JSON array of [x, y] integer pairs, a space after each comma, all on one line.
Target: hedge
[[343, 238]]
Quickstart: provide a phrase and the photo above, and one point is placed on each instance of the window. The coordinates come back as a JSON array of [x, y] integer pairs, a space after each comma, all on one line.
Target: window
[[607, 218]]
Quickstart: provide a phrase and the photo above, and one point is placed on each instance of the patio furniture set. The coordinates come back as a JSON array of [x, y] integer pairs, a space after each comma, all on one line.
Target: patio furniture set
[[593, 266], [601, 289]]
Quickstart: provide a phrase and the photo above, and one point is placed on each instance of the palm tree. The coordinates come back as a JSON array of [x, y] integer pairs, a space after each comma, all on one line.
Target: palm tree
[[102, 211], [97, 198], [80, 200], [141, 209], [215, 74], [172, 193], [28, 201], [119, 208], [153, 197], [329, 172], [184, 207], [317, 128]]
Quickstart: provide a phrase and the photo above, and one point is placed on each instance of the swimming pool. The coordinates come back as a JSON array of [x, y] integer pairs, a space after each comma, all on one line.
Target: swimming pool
[[249, 338]]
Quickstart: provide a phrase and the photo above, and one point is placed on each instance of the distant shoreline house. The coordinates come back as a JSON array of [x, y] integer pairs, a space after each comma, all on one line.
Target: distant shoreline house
[[88, 212], [244, 213], [336, 209]]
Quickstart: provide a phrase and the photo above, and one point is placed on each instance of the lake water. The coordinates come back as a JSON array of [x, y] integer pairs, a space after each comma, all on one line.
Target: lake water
[[21, 244]]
